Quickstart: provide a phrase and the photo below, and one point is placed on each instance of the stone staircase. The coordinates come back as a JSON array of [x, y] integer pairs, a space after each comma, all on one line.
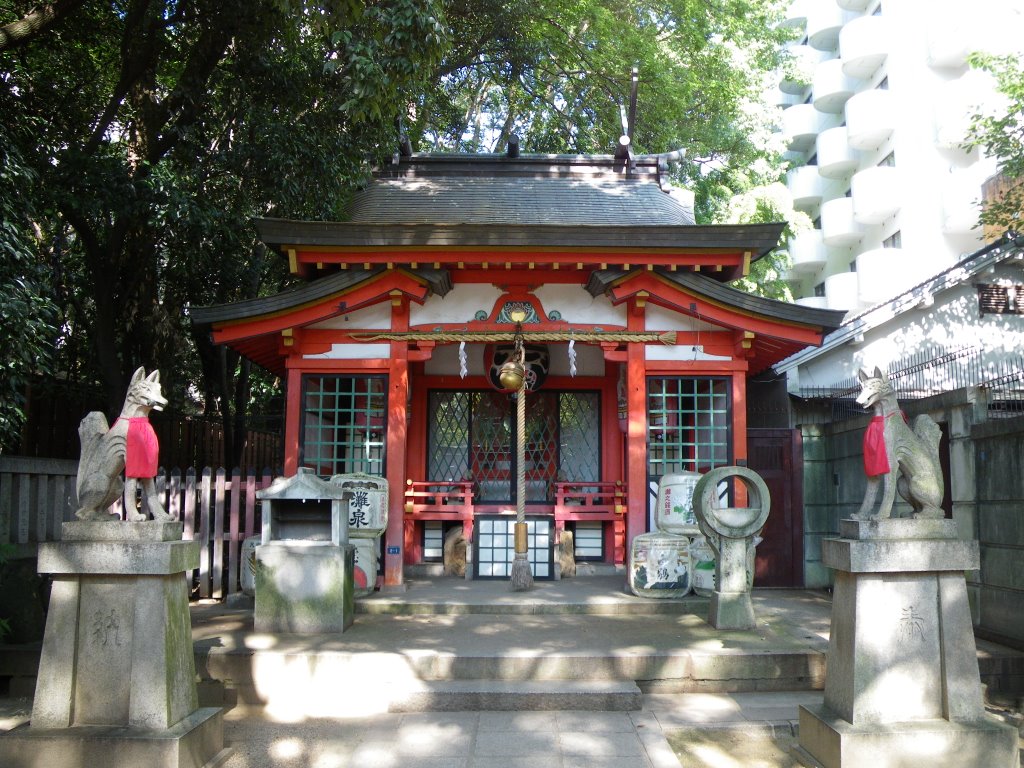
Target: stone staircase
[[456, 645]]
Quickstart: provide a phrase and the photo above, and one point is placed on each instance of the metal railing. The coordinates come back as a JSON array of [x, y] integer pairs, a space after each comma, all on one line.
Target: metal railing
[[930, 372]]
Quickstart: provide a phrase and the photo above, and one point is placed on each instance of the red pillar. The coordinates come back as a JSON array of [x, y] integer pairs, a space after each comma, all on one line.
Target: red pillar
[[292, 419], [636, 444], [739, 430], [398, 399]]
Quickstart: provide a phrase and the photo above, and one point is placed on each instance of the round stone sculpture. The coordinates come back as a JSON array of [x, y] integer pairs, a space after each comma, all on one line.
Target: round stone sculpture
[[730, 532], [731, 522]]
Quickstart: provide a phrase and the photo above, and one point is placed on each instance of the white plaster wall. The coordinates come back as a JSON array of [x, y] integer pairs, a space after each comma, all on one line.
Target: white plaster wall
[[578, 306], [680, 352], [354, 352], [661, 319], [374, 316], [459, 306], [445, 360]]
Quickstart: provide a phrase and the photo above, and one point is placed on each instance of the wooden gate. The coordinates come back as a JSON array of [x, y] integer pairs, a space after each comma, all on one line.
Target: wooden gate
[[776, 455]]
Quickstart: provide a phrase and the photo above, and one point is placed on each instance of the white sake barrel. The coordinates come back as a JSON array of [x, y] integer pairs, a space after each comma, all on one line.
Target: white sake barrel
[[659, 565], [673, 512]]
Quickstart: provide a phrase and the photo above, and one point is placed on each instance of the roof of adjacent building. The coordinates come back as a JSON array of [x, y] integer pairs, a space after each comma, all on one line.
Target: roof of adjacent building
[[853, 328]]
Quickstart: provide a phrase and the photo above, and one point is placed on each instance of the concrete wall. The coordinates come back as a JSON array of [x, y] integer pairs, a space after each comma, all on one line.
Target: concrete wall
[[998, 452], [834, 483]]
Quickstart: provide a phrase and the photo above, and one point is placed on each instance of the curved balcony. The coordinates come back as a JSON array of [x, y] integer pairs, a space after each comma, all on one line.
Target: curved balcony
[[853, 5], [824, 20], [951, 37], [863, 45], [801, 125], [832, 87], [838, 227], [869, 118], [883, 273], [961, 205], [807, 252], [841, 291], [836, 158], [957, 102], [800, 70], [805, 185], [815, 302], [776, 97], [877, 194], [796, 14]]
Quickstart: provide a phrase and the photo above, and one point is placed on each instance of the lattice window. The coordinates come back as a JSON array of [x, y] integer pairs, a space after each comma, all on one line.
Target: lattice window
[[343, 424], [472, 437], [688, 424], [494, 546]]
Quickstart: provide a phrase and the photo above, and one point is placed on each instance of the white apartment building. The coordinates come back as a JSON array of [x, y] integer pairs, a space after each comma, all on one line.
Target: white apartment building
[[876, 109]]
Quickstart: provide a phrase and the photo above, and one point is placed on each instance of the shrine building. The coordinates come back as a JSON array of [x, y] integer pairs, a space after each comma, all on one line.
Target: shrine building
[[638, 350]]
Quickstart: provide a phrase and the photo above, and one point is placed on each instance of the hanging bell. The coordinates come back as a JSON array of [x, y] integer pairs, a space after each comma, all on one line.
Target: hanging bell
[[511, 375]]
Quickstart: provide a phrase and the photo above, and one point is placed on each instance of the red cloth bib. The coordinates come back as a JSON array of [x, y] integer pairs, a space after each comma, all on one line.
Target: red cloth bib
[[876, 461], [142, 449]]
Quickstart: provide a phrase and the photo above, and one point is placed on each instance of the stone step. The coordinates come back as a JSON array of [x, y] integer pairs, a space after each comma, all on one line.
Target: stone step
[[385, 606], [490, 695]]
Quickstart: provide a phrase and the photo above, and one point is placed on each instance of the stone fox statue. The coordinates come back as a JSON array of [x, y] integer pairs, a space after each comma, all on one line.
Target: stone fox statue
[[129, 446], [897, 457]]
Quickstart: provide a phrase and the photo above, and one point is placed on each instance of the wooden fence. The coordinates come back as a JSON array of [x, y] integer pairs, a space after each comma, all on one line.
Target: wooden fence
[[218, 510], [54, 410]]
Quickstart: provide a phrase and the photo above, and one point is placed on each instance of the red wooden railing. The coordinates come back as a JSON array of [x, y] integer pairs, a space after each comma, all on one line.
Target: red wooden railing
[[604, 501], [435, 500]]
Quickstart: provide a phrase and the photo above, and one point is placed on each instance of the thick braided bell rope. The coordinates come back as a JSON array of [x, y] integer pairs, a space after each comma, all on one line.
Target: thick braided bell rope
[[520, 577], [521, 474], [665, 337]]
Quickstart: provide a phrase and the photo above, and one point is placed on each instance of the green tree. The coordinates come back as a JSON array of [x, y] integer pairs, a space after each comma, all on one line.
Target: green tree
[[1001, 135], [162, 127], [557, 74], [761, 204], [148, 133], [27, 312]]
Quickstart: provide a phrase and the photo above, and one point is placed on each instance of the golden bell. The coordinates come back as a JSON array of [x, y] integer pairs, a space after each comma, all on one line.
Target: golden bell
[[511, 375]]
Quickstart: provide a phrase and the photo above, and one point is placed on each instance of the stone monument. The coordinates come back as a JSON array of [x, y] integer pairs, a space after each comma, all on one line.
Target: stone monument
[[367, 521], [730, 532], [304, 564], [116, 683], [902, 688]]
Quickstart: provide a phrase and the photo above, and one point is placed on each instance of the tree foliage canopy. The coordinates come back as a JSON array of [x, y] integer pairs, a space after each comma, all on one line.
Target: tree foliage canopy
[[1001, 134], [138, 138]]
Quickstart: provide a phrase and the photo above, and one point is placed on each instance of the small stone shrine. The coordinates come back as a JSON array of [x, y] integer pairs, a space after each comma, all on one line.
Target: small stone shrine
[[304, 564], [730, 532]]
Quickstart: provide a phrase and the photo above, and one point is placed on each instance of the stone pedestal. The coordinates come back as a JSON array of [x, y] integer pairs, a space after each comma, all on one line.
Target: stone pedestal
[[902, 688], [304, 586], [116, 682]]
